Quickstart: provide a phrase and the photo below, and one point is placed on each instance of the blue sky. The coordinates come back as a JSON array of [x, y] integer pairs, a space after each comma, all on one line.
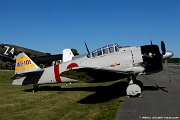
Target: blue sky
[[52, 25]]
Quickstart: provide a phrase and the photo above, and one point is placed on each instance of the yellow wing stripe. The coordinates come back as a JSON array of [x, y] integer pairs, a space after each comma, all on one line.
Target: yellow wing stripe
[[23, 58], [25, 67]]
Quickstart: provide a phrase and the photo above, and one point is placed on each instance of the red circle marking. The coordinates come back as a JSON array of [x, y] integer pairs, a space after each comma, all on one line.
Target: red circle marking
[[72, 65]]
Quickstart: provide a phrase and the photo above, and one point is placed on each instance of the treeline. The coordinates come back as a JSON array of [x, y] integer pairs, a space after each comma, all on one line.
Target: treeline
[[173, 60], [7, 65]]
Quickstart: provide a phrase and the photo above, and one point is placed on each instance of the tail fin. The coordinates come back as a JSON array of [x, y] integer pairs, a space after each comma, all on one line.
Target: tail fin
[[24, 64], [67, 55]]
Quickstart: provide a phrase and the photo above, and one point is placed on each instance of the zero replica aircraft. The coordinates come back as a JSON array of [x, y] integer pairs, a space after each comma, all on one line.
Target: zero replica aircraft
[[112, 60]]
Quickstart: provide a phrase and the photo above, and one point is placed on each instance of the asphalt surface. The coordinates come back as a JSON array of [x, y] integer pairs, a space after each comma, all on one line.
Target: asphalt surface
[[161, 99]]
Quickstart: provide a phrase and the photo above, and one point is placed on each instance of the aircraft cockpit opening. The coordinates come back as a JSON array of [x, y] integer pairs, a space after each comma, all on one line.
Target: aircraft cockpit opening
[[105, 50]]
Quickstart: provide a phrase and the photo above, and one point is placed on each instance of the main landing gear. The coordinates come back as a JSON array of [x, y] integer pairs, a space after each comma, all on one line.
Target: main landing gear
[[135, 87], [35, 88]]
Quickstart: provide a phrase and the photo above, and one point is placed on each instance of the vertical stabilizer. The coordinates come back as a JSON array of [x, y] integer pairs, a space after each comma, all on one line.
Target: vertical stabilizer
[[67, 55], [24, 64]]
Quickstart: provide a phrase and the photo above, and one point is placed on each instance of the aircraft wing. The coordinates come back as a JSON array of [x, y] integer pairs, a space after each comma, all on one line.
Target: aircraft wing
[[88, 74], [48, 58], [37, 59], [6, 57]]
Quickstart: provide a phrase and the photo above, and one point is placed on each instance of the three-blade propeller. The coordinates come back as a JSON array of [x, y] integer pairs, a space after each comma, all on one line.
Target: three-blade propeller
[[165, 56]]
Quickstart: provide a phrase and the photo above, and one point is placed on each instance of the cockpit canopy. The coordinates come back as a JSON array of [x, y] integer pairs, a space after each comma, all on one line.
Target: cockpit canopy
[[104, 50]]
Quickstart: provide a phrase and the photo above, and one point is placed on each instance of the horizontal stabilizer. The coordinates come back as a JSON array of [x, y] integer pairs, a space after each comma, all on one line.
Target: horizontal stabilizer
[[28, 78]]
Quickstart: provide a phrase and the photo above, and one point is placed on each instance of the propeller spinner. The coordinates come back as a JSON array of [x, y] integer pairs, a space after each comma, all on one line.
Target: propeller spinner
[[166, 54]]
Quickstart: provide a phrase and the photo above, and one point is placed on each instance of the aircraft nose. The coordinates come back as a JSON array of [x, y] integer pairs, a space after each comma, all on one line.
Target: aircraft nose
[[168, 54], [152, 58]]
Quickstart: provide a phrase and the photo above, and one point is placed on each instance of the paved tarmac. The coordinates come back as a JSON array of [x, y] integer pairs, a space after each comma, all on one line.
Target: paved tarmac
[[161, 99]]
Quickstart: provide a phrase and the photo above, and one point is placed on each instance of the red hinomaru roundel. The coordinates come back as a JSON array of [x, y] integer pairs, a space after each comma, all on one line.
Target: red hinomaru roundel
[[72, 65]]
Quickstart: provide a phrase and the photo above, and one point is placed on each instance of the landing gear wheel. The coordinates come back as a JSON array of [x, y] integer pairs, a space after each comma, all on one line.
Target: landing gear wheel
[[139, 83], [34, 88], [133, 90]]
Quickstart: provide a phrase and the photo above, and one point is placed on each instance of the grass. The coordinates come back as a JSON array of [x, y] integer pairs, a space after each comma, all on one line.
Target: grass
[[77, 101]]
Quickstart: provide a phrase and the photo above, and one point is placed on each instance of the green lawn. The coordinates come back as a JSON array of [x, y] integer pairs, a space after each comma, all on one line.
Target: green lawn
[[76, 101]]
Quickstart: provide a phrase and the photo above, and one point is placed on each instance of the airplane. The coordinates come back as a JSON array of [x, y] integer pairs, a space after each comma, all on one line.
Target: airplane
[[111, 60], [8, 53]]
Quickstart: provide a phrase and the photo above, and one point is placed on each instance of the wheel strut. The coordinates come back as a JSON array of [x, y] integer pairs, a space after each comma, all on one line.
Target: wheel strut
[[133, 89], [34, 88]]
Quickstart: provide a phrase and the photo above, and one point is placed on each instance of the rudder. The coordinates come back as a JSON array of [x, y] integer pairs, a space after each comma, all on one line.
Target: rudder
[[24, 64], [67, 55]]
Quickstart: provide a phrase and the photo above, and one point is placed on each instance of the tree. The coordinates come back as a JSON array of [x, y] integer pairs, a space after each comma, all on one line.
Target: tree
[[173, 60], [74, 51]]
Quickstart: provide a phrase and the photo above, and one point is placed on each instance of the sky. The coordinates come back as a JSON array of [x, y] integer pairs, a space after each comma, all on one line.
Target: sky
[[53, 25]]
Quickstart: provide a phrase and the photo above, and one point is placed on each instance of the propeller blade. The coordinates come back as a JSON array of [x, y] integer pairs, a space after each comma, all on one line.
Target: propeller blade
[[151, 42], [167, 70], [86, 47], [168, 54], [163, 48]]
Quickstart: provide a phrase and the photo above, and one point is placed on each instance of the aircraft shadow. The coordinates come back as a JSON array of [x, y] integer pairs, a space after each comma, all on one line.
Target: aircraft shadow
[[150, 88], [101, 93], [106, 93], [154, 88]]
